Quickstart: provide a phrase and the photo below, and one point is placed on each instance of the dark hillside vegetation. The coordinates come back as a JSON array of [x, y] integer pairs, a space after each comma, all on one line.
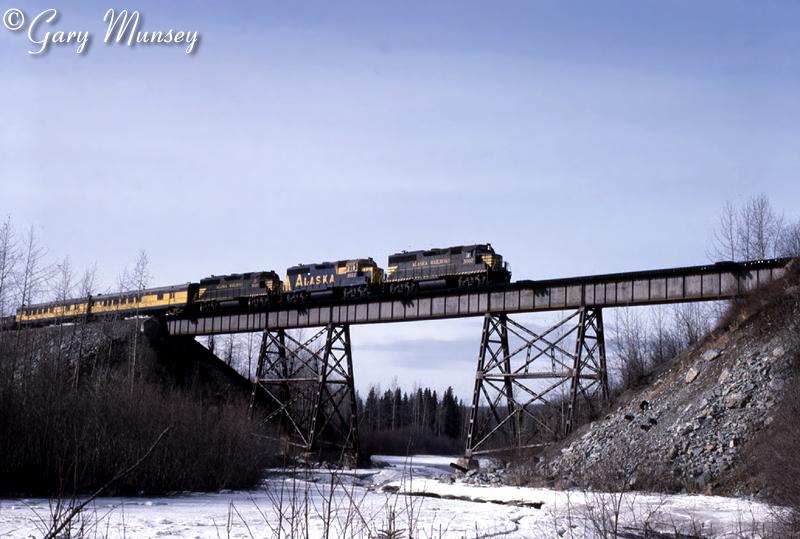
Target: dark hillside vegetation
[[75, 411]]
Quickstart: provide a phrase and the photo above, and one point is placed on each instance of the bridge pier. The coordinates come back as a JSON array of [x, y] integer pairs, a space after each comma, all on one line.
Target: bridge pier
[[312, 386], [527, 393]]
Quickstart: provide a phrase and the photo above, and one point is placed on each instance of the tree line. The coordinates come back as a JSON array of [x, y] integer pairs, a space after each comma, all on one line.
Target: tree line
[[421, 411], [422, 420]]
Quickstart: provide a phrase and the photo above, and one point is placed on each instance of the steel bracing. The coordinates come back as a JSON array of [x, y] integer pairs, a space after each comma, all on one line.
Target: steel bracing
[[529, 385], [310, 384]]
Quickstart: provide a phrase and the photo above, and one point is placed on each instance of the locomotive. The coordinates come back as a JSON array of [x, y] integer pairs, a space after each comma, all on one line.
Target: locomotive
[[353, 277], [461, 266], [255, 289]]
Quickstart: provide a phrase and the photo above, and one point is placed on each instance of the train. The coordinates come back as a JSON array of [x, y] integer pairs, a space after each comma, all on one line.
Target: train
[[407, 272]]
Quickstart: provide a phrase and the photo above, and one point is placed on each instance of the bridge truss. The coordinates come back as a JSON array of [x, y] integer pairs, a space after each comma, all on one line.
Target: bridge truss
[[311, 388], [529, 385]]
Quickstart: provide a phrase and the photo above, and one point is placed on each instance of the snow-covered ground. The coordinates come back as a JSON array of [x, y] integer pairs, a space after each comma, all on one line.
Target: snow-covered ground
[[362, 503]]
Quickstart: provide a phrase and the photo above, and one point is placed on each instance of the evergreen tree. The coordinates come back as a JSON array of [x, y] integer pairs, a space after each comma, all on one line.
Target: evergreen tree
[[451, 415]]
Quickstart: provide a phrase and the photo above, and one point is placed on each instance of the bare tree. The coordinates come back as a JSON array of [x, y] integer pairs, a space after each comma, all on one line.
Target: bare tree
[[692, 322], [140, 279], [631, 343], [88, 282], [141, 276], [763, 227], [230, 350], [724, 242], [86, 289], [33, 272], [664, 343], [64, 287], [251, 345], [65, 284], [789, 244], [8, 262], [752, 231]]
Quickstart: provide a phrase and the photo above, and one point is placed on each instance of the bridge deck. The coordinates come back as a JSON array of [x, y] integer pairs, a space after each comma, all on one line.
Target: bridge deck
[[674, 285]]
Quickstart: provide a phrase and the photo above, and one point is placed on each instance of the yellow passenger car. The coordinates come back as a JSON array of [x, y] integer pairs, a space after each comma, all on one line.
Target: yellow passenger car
[[165, 298]]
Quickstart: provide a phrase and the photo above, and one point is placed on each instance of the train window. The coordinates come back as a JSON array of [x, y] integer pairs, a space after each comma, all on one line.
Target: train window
[[172, 295], [116, 301], [160, 296]]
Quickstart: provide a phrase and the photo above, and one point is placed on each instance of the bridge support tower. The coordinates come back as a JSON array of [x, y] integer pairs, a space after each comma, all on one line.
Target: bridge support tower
[[531, 386], [310, 383]]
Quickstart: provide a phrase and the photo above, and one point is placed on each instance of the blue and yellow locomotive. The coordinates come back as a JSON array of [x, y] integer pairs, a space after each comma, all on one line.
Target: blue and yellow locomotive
[[353, 278]]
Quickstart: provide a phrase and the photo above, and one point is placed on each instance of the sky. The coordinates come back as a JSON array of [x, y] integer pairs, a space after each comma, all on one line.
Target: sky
[[578, 138]]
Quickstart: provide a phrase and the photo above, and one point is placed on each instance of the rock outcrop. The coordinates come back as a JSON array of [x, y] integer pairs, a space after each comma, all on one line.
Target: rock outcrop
[[688, 428]]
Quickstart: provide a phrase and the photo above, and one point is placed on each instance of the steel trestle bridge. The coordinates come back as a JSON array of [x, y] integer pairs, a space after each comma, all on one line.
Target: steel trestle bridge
[[520, 371]]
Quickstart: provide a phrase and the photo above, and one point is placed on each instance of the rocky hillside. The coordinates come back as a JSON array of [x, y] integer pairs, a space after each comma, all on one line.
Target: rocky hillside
[[690, 428]]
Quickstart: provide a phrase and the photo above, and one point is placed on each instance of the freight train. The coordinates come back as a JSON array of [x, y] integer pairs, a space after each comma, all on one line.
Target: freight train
[[407, 272]]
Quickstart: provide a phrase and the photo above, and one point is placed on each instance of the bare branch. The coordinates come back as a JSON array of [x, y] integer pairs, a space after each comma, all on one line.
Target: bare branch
[[75, 511]]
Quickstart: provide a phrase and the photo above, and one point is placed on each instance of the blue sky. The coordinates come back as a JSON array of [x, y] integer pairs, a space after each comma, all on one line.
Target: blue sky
[[580, 138]]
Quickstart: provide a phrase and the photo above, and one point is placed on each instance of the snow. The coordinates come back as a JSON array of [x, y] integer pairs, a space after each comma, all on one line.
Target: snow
[[364, 500]]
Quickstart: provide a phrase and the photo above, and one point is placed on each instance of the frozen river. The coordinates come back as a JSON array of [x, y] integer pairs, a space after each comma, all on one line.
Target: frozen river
[[365, 503]]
